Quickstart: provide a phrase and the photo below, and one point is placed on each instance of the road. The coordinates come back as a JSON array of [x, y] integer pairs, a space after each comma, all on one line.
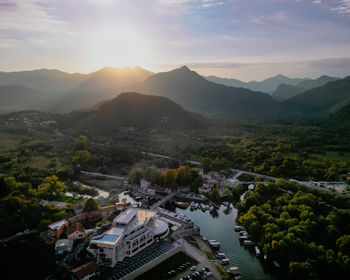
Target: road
[[240, 172], [96, 174]]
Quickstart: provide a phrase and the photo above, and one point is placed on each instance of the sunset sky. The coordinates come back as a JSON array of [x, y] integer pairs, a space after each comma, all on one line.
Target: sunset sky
[[244, 39]]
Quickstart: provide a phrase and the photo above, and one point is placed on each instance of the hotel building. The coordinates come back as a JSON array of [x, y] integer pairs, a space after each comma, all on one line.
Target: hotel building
[[132, 231]]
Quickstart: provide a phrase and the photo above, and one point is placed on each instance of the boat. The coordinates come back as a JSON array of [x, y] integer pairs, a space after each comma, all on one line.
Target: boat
[[220, 255], [243, 237], [211, 208], [276, 264], [204, 239], [238, 228], [242, 232], [247, 242], [203, 207], [238, 277], [211, 240], [233, 270], [196, 205], [192, 205], [257, 251], [225, 261], [215, 245], [180, 204]]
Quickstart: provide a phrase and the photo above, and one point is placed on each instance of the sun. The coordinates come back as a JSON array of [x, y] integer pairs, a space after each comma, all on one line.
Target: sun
[[119, 47]]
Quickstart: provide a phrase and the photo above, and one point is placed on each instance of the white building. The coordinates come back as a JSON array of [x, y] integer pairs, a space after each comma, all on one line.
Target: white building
[[63, 246], [132, 231]]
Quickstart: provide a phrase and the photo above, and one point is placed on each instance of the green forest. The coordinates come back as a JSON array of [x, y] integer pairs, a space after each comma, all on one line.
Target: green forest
[[307, 232]]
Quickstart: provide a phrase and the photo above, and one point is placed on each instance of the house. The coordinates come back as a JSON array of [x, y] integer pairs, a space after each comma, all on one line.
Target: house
[[163, 170], [199, 171], [120, 205], [144, 185], [77, 208], [89, 217], [152, 190], [204, 189], [86, 271], [63, 246], [107, 210], [76, 231], [57, 228], [214, 183]]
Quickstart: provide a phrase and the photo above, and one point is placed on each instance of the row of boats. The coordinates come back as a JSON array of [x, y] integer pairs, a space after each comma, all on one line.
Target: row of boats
[[245, 239], [202, 206]]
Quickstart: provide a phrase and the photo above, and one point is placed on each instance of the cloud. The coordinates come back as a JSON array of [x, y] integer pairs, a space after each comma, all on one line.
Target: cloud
[[343, 7], [317, 1]]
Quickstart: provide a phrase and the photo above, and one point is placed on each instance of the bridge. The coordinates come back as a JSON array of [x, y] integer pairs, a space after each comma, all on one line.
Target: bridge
[[164, 200]]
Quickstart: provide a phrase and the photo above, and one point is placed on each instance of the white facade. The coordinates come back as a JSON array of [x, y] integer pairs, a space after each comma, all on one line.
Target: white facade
[[132, 231]]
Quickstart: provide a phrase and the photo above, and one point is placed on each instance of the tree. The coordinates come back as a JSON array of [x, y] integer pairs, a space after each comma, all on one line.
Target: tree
[[51, 188], [81, 157], [214, 194], [206, 164], [90, 205], [136, 175], [81, 143], [170, 178], [183, 176], [196, 184], [152, 174]]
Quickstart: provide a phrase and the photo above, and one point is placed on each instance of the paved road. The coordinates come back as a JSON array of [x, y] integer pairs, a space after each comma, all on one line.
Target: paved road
[[96, 174]]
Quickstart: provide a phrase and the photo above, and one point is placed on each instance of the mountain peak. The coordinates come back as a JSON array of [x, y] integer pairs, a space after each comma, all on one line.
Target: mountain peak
[[184, 69]]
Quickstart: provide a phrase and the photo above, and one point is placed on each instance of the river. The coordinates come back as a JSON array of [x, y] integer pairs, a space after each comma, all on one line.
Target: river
[[221, 228]]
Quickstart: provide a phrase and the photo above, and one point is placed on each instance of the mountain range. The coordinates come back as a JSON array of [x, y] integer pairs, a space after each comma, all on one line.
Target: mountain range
[[53, 90], [286, 91], [267, 85]]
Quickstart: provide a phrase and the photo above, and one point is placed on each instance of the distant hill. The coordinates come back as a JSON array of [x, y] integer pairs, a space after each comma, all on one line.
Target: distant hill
[[310, 84], [62, 92], [112, 78], [135, 110], [267, 85], [51, 82], [342, 115], [284, 92], [319, 101], [16, 97], [197, 94]]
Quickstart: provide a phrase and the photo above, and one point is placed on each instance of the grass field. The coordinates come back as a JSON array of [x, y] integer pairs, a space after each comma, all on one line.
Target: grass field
[[8, 141], [39, 162]]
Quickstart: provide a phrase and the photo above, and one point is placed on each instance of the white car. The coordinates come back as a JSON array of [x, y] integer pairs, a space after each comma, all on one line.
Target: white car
[[192, 268]]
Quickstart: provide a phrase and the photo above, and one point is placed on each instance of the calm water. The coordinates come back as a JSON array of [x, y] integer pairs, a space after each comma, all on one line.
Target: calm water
[[221, 228]]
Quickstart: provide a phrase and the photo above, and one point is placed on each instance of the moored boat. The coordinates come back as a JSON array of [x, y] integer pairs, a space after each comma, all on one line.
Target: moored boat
[[225, 261], [182, 205], [257, 251], [220, 255], [276, 264], [247, 242], [238, 228], [233, 270]]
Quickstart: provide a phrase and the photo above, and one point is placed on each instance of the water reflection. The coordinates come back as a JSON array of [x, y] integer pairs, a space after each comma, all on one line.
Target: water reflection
[[219, 225]]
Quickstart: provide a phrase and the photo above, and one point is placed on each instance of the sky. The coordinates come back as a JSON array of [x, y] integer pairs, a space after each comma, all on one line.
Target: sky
[[244, 39]]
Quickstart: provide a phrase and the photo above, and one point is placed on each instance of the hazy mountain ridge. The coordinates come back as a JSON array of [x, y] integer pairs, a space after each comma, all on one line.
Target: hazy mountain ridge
[[319, 101], [284, 91], [14, 97], [62, 92], [197, 94], [268, 85]]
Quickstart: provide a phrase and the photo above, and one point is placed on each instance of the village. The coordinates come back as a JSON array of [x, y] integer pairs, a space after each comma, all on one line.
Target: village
[[124, 240]]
